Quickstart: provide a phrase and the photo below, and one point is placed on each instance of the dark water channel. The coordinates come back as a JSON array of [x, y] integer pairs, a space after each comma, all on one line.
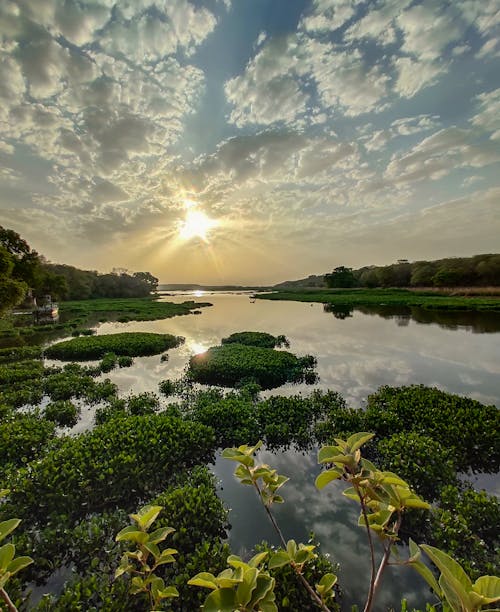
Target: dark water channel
[[357, 351]]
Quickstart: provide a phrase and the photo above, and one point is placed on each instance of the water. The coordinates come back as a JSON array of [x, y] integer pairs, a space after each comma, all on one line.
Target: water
[[357, 351]]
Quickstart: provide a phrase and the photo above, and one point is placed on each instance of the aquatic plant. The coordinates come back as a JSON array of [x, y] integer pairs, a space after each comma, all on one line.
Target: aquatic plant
[[132, 344], [253, 338], [231, 365], [62, 412]]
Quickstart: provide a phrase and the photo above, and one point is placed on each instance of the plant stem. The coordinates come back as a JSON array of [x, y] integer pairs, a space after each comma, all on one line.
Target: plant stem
[[312, 593], [371, 591], [385, 558], [10, 606]]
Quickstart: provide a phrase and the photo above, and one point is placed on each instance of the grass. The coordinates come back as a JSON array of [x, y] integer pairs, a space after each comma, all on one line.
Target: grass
[[231, 365], [133, 344], [386, 297]]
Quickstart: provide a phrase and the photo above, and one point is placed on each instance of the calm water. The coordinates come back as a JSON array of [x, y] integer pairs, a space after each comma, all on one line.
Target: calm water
[[357, 352]]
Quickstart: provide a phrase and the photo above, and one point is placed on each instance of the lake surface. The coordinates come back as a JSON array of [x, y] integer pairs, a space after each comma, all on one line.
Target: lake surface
[[357, 351]]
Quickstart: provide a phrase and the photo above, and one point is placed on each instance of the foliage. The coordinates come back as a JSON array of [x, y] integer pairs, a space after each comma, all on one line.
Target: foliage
[[20, 353], [340, 277], [131, 344], [385, 297], [124, 361], [232, 364], [267, 483], [112, 466], [23, 437], [260, 339], [142, 562], [463, 425], [454, 587], [108, 362], [142, 404], [466, 524], [290, 594], [10, 565], [242, 586], [422, 461], [62, 412]]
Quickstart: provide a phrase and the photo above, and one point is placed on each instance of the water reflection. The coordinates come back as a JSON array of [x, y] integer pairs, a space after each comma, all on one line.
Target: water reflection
[[474, 321]]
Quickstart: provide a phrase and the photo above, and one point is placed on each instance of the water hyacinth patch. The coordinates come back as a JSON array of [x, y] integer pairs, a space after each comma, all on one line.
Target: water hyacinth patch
[[231, 365], [132, 344], [252, 338]]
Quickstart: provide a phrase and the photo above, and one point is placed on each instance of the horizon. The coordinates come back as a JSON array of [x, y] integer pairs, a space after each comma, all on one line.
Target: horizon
[[250, 143]]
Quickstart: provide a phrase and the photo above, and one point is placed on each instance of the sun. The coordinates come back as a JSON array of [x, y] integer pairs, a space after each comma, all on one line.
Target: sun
[[196, 225]]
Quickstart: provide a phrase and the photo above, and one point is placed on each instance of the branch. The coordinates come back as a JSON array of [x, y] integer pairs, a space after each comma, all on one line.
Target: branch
[[371, 591], [8, 601], [312, 593]]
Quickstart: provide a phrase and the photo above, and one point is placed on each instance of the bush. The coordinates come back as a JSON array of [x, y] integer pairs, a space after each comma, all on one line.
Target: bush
[[467, 526], [116, 464], [124, 361], [260, 339], [63, 413], [108, 362], [23, 437], [144, 403], [231, 365], [466, 427], [419, 460], [132, 344]]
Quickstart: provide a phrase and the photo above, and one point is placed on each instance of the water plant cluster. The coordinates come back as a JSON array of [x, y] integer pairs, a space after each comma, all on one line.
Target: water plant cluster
[[250, 357], [131, 344]]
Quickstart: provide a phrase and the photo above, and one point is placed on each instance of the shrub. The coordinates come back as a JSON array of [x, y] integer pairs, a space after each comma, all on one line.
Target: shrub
[[108, 362], [260, 339], [232, 364], [420, 460], [23, 438], [144, 403], [63, 413], [114, 465], [466, 427], [467, 526], [131, 344], [124, 361]]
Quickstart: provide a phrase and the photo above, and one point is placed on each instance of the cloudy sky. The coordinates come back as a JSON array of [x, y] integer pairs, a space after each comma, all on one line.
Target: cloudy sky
[[294, 135]]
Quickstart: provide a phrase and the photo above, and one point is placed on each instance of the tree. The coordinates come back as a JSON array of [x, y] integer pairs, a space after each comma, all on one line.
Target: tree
[[340, 277], [150, 280], [12, 291]]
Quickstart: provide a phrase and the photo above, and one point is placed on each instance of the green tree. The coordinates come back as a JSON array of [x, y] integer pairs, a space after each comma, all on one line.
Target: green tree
[[340, 277]]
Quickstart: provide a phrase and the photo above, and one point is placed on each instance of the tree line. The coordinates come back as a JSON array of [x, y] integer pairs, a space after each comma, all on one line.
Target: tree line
[[22, 269], [476, 271]]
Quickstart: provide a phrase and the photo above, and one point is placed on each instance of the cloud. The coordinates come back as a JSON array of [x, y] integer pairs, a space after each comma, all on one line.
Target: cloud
[[439, 154], [488, 118], [328, 15]]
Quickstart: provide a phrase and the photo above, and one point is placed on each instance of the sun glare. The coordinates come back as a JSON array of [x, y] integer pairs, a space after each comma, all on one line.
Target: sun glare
[[196, 225]]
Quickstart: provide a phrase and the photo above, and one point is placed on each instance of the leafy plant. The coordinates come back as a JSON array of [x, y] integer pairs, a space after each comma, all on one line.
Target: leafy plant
[[131, 344], [383, 498], [62, 412], [142, 562], [267, 482], [253, 338], [231, 364], [454, 587], [9, 563]]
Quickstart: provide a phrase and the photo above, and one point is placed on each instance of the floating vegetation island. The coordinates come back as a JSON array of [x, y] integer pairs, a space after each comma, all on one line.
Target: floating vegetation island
[[131, 344], [245, 360]]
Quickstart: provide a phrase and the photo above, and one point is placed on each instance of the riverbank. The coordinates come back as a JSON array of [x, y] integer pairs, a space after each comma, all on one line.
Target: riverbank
[[386, 297]]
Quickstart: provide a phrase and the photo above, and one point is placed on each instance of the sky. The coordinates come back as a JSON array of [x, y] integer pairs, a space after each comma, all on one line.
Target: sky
[[250, 141]]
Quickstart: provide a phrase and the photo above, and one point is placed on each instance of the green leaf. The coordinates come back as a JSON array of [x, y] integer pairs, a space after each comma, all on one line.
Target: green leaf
[[168, 592], [427, 575], [246, 586], [351, 493], [326, 477], [291, 548], [454, 595], [327, 582], [488, 587], [160, 534], [447, 566], [279, 559], [326, 453], [146, 516], [358, 439], [130, 534], [257, 559], [263, 590], [18, 564], [7, 552], [221, 600], [203, 579], [7, 527]]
